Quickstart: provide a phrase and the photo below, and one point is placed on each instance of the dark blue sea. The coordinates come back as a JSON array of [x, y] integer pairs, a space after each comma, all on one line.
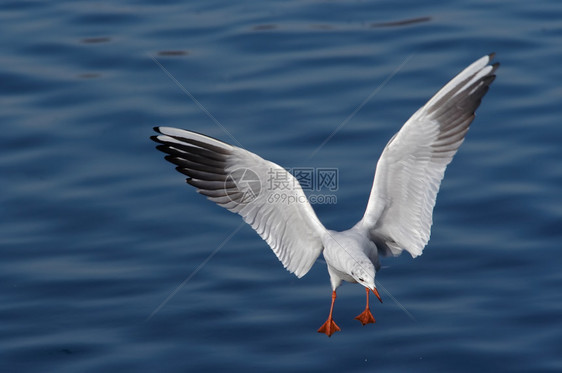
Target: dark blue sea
[[109, 262]]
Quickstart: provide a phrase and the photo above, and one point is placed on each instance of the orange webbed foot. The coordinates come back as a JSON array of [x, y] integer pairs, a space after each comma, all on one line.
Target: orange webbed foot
[[366, 317], [329, 327]]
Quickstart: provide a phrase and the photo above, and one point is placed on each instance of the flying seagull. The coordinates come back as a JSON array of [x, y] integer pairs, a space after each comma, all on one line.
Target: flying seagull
[[399, 212]]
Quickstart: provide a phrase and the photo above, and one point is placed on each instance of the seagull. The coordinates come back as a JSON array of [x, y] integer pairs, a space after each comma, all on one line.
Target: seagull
[[399, 212]]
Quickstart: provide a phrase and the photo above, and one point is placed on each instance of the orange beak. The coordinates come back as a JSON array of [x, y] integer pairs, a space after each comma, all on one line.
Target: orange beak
[[376, 292]]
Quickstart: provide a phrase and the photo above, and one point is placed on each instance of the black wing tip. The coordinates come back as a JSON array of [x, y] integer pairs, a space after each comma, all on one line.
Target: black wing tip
[[161, 144], [163, 147], [195, 142], [488, 79], [495, 67]]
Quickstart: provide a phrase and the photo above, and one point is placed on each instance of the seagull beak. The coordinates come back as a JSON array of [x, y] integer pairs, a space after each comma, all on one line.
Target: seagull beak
[[376, 292]]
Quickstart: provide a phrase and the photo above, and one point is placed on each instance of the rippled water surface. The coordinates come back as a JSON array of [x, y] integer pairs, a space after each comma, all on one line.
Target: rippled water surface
[[110, 263]]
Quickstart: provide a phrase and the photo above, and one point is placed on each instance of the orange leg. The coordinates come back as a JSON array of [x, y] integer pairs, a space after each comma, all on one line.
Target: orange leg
[[330, 327], [366, 317]]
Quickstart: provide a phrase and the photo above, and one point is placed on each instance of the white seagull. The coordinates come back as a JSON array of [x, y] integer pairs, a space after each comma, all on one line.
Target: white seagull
[[399, 212]]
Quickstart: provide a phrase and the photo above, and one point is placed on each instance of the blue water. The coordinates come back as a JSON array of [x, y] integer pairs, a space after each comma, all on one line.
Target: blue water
[[104, 248]]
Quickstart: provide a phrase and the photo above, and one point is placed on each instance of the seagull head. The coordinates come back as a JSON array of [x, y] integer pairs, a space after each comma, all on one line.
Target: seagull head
[[363, 272]]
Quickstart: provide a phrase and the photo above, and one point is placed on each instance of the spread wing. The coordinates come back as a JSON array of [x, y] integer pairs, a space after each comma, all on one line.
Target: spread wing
[[399, 212], [267, 197]]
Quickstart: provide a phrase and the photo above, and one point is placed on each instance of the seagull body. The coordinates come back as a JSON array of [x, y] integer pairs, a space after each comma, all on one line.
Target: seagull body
[[399, 212]]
